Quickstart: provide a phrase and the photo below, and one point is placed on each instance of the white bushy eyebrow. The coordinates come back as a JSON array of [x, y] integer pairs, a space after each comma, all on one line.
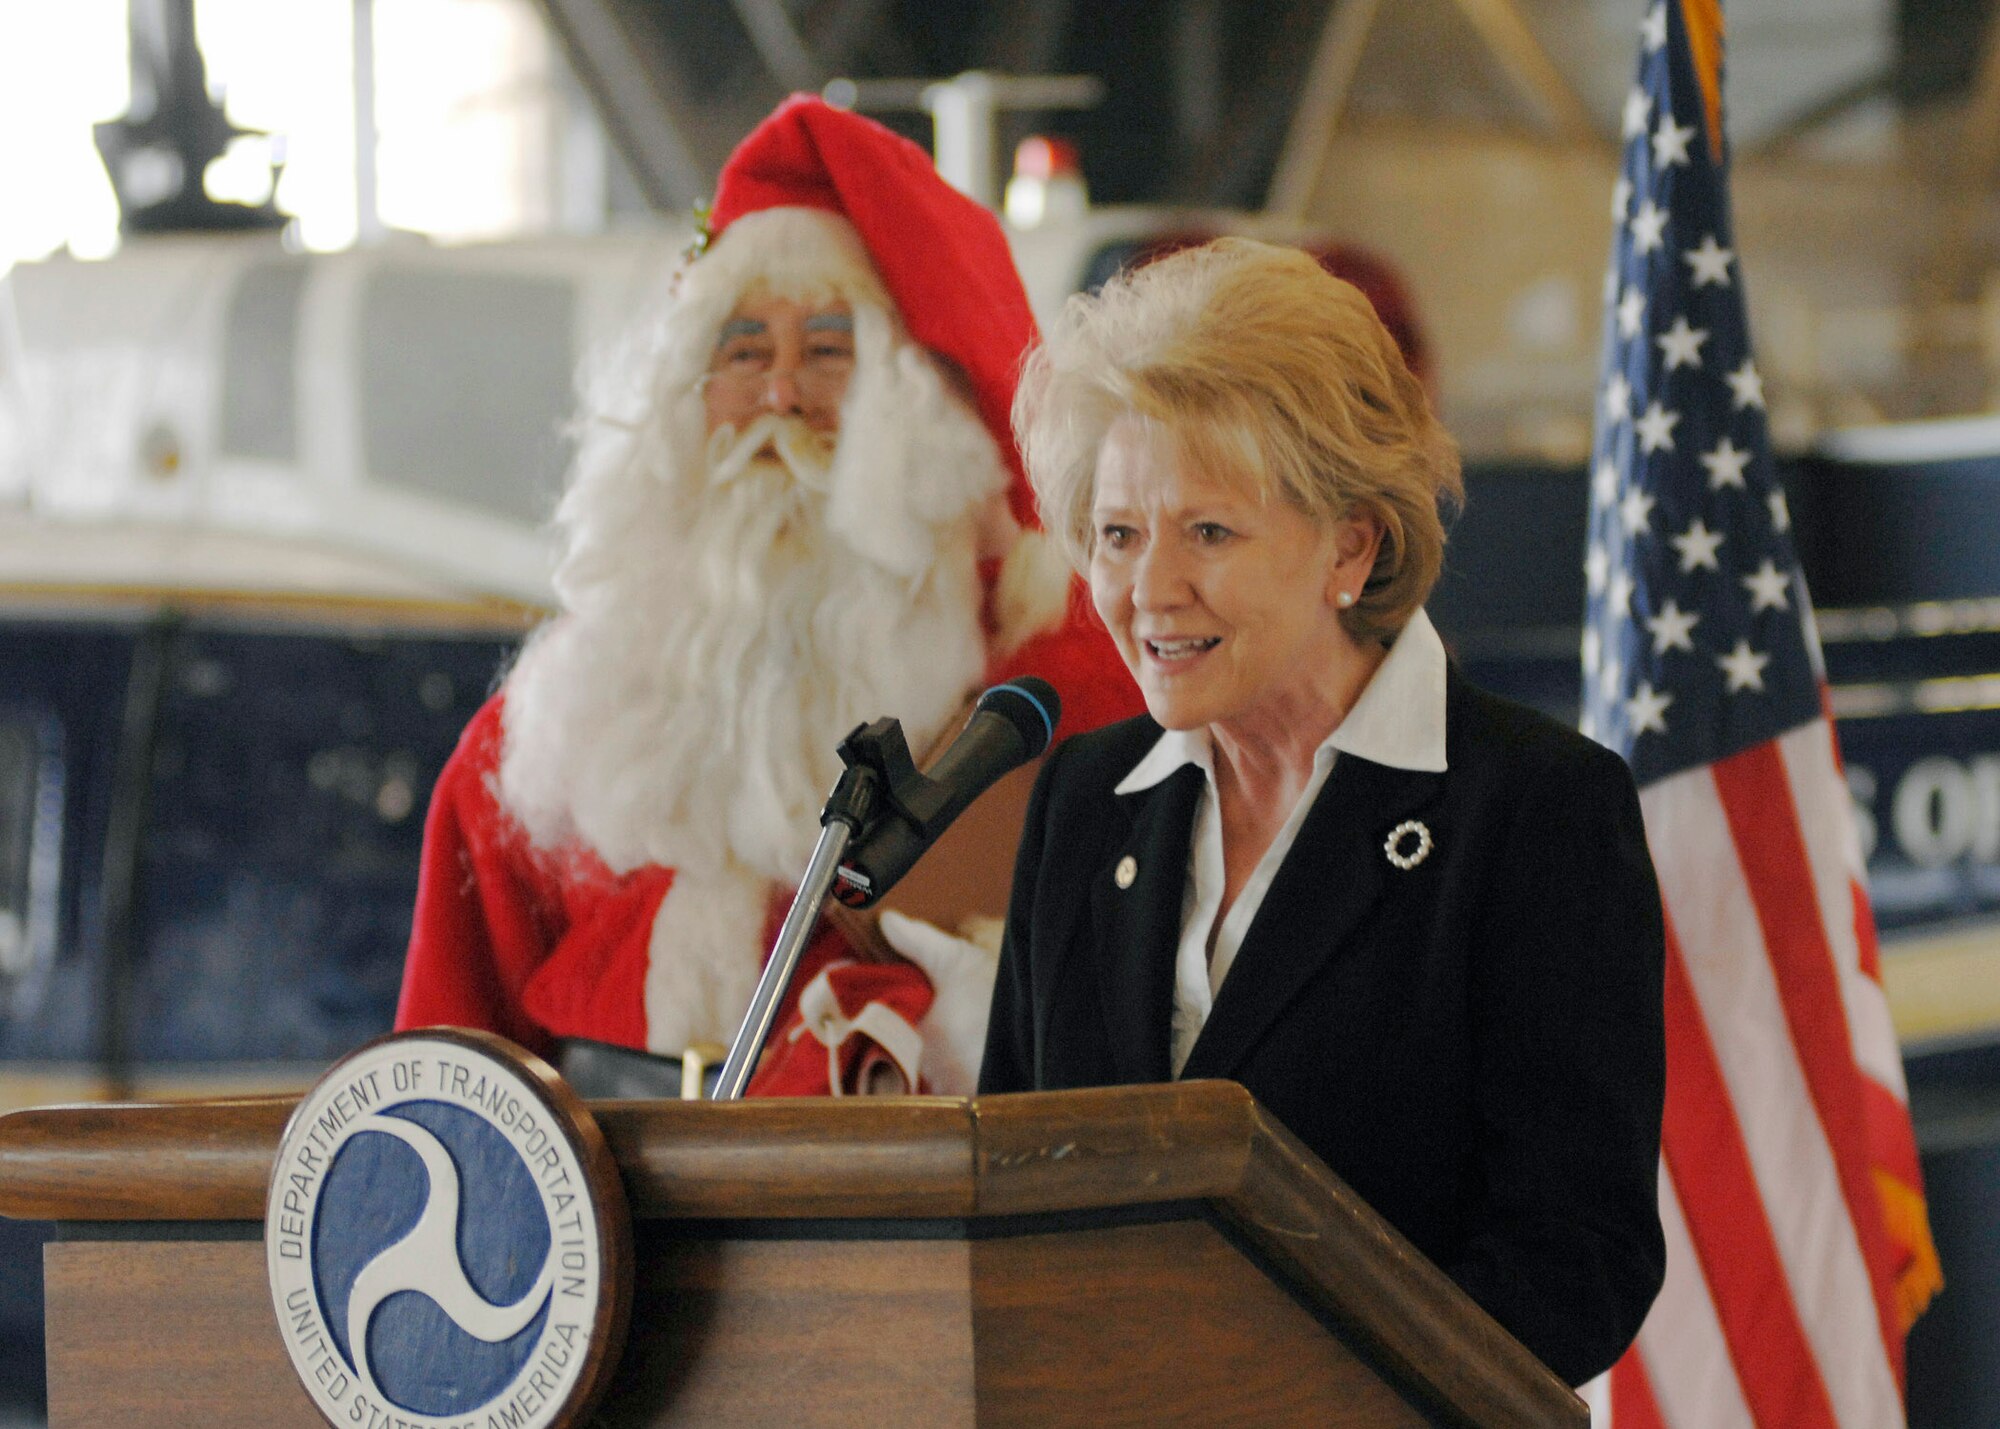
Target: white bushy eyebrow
[[842, 323]]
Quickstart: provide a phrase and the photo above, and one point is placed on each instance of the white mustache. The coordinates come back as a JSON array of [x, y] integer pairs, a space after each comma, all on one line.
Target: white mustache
[[805, 453]]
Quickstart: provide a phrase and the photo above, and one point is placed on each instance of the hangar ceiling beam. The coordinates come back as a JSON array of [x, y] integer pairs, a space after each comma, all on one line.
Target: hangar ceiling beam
[[1979, 142], [1785, 138], [1958, 248], [846, 28], [1514, 44], [784, 51], [1948, 338], [1322, 103], [1027, 35], [1329, 84], [639, 104]]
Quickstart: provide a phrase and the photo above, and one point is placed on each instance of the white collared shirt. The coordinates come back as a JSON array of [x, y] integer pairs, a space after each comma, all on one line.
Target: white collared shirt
[[1398, 721]]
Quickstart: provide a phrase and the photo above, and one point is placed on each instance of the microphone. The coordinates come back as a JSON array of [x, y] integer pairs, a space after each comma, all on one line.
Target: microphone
[[1011, 724]]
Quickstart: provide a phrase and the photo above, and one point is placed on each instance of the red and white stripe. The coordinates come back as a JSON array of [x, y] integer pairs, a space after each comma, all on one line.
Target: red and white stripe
[[1682, 1373], [1779, 1308]]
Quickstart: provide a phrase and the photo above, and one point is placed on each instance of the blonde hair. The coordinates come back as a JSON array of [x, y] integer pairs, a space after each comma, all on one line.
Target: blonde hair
[[1262, 366]]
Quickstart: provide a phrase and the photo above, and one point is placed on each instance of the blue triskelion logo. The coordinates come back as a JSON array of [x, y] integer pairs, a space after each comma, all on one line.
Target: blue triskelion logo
[[433, 1243]]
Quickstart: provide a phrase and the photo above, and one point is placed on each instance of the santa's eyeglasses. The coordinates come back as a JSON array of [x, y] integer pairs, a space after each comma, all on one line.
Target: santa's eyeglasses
[[747, 357]]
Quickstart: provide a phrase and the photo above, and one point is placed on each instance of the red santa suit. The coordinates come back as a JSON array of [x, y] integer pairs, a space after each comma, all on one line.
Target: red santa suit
[[536, 922]]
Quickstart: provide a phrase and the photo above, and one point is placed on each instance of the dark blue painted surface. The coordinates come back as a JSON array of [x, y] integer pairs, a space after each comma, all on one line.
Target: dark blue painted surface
[[1873, 534], [71, 676], [277, 866], [23, 1381], [280, 858], [1953, 1377]]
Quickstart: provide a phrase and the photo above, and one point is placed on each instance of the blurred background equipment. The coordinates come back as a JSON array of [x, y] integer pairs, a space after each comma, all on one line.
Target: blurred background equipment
[[173, 131]]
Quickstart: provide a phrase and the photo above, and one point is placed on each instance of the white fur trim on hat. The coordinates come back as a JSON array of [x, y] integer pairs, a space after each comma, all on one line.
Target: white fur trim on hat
[[797, 253]]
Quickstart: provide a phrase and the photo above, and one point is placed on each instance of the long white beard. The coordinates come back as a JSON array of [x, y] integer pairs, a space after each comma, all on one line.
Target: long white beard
[[726, 620]]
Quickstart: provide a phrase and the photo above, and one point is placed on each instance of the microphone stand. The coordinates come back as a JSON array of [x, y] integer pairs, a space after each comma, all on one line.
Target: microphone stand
[[879, 785], [850, 809]]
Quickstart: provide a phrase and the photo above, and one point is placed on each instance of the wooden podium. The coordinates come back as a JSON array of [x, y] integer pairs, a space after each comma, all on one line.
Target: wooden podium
[[1131, 1256]]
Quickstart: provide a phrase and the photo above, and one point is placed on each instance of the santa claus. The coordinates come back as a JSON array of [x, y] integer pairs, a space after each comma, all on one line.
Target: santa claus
[[797, 508]]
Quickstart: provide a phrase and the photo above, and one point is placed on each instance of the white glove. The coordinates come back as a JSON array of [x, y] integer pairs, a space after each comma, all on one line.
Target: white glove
[[961, 973]]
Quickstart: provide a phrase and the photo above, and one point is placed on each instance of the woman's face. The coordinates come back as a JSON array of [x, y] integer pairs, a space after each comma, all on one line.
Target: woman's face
[[1225, 607]]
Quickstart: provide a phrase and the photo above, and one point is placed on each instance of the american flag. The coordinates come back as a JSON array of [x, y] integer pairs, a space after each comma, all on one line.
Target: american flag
[[1798, 1248]]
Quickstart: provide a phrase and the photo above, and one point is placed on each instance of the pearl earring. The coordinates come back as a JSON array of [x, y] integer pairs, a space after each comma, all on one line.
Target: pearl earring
[[1344, 599]]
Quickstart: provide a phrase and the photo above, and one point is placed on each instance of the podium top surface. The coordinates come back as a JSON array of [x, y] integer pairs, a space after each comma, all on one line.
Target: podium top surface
[[836, 1157], [1031, 1154]]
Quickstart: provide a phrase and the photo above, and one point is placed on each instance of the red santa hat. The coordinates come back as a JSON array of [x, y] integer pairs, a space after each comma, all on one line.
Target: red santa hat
[[940, 256]]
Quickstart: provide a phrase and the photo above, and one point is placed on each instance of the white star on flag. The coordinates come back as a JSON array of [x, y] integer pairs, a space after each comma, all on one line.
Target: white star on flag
[[1710, 262], [1617, 407], [1656, 429], [1781, 514], [1621, 199], [1744, 667], [1653, 29], [1631, 312], [1648, 709], [1636, 511], [1670, 143], [1725, 465], [1747, 385], [1697, 546], [1613, 679], [1681, 344], [1596, 569], [1649, 227], [1619, 597], [1673, 628], [1638, 112], [1604, 485], [1767, 586], [1593, 646]]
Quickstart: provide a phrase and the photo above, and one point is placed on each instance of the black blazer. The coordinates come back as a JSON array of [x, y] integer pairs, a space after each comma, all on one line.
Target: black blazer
[[1475, 1045]]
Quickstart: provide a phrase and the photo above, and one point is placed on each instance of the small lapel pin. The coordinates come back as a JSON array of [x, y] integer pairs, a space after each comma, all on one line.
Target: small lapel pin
[[1126, 872], [1408, 844]]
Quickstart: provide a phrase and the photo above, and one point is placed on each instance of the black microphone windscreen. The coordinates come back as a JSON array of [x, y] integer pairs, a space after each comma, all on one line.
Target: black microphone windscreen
[[1031, 705]]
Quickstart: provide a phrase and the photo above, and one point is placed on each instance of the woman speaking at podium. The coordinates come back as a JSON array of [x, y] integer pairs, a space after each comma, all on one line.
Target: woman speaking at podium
[[1418, 922]]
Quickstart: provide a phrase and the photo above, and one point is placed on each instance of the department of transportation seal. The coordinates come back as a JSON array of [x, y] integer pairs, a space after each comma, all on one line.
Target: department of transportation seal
[[447, 1240]]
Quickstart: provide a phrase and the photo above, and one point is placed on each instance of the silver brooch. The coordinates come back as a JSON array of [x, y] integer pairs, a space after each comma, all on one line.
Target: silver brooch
[[1398, 848]]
